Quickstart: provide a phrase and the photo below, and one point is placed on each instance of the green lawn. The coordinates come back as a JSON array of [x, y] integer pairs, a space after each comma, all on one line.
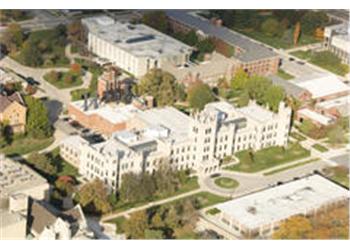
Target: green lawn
[[268, 157], [119, 223], [61, 83], [225, 182], [291, 166], [284, 75], [278, 42], [63, 167], [324, 59], [298, 136], [338, 174], [213, 211], [25, 144], [320, 148]]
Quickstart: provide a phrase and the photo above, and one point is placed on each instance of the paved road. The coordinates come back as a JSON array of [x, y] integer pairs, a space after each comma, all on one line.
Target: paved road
[[343, 160]]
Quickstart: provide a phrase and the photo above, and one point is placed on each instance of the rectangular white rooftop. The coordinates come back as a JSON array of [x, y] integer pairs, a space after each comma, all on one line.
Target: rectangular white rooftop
[[110, 112], [15, 177], [281, 202], [322, 85], [342, 104], [256, 112], [322, 119], [138, 39]]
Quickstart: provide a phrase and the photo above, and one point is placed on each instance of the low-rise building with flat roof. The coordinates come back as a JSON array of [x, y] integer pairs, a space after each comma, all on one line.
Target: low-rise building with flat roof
[[259, 214], [136, 48], [322, 87], [105, 118]]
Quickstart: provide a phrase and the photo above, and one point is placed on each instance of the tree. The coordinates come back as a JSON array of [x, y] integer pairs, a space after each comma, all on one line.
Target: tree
[[157, 20], [31, 55], [312, 20], [75, 68], [162, 86], [75, 32], [38, 124], [191, 38], [199, 95], [5, 132], [243, 99], [296, 33], [42, 163], [166, 180], [239, 81], [94, 195], [297, 227], [336, 135], [136, 225], [152, 234], [271, 27], [274, 95], [54, 76], [13, 37], [68, 78], [136, 187]]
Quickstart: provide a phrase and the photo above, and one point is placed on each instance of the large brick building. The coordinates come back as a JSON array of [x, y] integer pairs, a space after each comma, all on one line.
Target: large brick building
[[253, 57], [13, 112]]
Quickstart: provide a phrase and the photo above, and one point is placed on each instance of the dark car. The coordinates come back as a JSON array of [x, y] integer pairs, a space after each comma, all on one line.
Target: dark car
[[300, 63], [31, 81], [291, 59]]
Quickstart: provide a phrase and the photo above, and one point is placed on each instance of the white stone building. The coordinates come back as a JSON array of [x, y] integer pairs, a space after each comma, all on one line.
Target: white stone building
[[135, 48], [337, 40], [197, 142], [259, 214]]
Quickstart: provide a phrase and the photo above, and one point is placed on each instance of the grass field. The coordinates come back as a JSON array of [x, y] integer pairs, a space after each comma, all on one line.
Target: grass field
[[251, 162], [25, 145], [225, 182], [320, 148], [324, 59], [284, 75], [290, 167], [338, 174], [61, 83], [298, 136]]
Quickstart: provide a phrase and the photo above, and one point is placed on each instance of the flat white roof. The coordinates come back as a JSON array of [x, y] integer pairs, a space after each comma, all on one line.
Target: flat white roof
[[138, 39], [15, 177], [168, 117], [322, 119], [256, 113], [110, 112], [281, 202], [323, 85]]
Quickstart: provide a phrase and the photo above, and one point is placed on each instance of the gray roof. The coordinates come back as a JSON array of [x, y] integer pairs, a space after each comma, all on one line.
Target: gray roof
[[291, 89], [252, 50]]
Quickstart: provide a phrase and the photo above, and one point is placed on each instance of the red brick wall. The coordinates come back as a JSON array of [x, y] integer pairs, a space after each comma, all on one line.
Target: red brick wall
[[95, 122]]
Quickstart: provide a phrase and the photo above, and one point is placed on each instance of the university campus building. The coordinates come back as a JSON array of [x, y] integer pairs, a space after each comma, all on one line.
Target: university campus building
[[135, 48], [245, 53], [167, 136], [336, 40], [259, 214]]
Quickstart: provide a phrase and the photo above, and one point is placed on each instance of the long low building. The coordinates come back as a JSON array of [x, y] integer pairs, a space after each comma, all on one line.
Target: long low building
[[167, 136], [250, 55], [136, 48], [258, 215]]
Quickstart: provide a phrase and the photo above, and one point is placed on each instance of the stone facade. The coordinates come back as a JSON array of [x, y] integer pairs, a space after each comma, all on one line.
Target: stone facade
[[13, 112]]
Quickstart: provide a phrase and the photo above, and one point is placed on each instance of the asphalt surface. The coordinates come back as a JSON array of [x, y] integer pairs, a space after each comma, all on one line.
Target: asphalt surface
[[343, 160]]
